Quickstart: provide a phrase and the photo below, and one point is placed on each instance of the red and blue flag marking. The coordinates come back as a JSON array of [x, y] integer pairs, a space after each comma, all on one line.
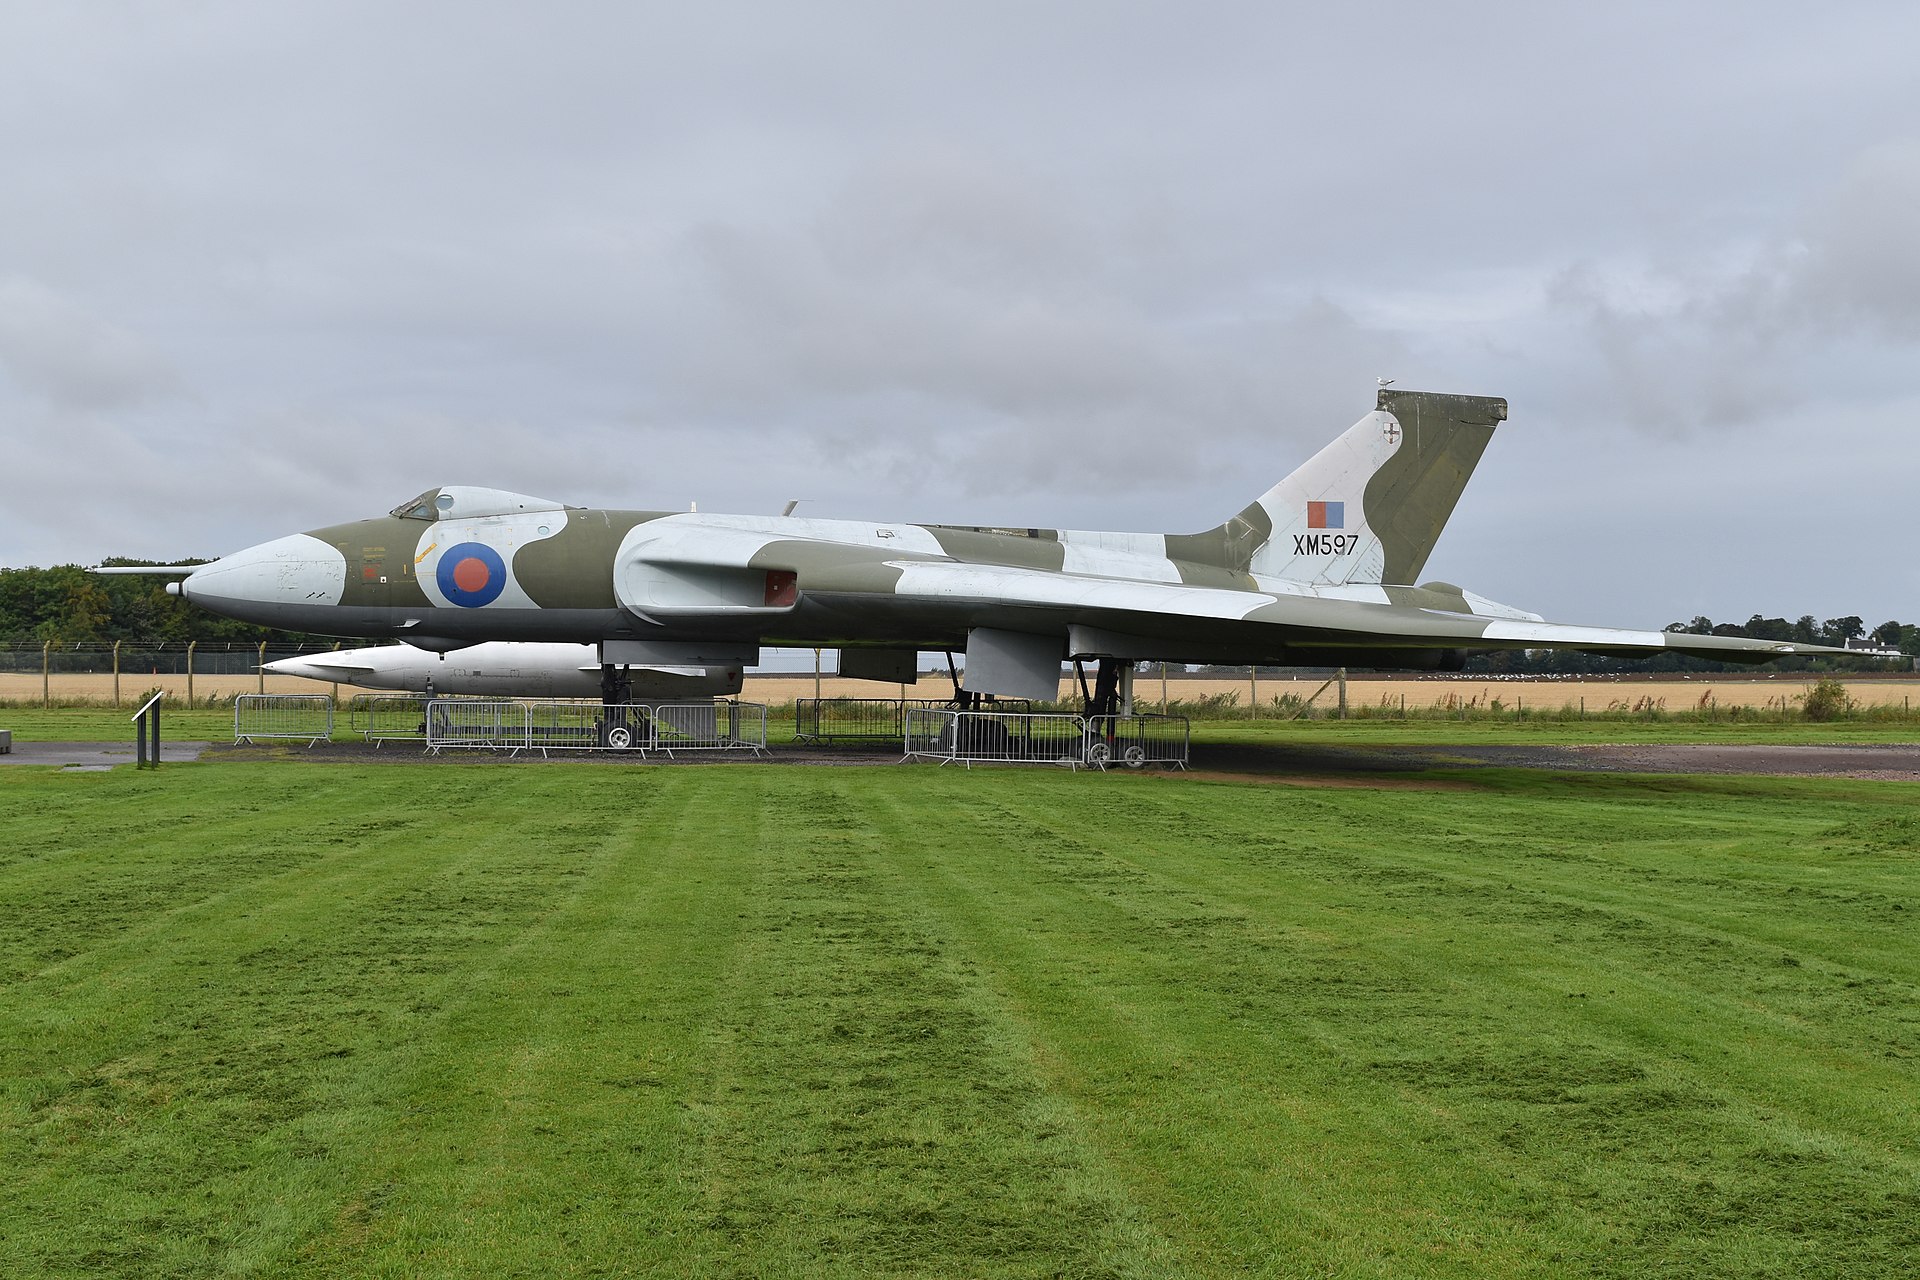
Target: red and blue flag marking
[[1326, 515]]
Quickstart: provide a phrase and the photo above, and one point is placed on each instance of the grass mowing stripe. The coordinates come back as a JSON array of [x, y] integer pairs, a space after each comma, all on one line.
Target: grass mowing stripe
[[83, 898], [1113, 1235], [863, 1105], [1236, 1132], [550, 1117]]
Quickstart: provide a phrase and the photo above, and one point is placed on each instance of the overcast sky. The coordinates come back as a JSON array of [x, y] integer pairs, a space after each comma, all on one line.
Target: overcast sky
[[270, 266]]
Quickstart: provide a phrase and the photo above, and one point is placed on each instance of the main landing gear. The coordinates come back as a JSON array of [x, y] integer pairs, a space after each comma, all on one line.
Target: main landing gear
[[1104, 698], [1107, 696], [962, 699]]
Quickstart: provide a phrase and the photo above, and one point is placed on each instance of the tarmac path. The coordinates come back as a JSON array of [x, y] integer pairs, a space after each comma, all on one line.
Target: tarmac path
[[95, 755]]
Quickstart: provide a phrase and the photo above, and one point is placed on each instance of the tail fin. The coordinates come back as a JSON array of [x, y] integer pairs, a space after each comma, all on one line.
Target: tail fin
[[1369, 506]]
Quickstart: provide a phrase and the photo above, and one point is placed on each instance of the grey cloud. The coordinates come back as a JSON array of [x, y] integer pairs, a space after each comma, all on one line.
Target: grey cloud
[[1858, 263], [55, 348], [1678, 345], [1662, 364], [930, 317]]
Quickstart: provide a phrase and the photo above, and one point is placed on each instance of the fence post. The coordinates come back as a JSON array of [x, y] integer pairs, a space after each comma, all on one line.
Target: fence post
[[260, 665], [190, 646], [1343, 693], [116, 675], [46, 678], [1253, 693]]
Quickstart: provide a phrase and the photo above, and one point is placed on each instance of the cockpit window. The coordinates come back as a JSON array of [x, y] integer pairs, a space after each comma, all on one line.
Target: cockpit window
[[420, 508]]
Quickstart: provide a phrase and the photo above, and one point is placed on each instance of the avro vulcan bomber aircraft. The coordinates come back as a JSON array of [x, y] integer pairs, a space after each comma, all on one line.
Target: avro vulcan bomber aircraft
[[1320, 570]]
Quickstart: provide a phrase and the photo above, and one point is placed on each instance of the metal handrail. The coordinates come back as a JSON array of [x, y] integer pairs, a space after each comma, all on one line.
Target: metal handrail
[[143, 728]]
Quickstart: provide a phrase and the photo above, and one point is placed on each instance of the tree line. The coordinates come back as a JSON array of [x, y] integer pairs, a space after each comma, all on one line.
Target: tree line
[[1837, 632], [72, 608]]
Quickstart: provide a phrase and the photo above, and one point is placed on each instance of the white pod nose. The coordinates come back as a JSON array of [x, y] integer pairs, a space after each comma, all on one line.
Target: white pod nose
[[295, 570], [333, 667]]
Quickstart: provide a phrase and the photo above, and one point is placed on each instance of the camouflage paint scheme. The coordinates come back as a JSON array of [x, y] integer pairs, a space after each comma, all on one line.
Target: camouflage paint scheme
[[1320, 570]]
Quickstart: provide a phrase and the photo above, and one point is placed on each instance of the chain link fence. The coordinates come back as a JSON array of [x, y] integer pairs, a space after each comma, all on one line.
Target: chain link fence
[[125, 673]]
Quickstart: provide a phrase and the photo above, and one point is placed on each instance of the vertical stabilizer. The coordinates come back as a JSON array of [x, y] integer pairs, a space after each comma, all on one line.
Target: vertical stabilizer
[[1369, 506]]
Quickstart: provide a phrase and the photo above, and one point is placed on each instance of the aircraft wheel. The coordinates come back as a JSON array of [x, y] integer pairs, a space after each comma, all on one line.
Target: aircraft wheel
[[1099, 753], [1134, 756], [620, 738]]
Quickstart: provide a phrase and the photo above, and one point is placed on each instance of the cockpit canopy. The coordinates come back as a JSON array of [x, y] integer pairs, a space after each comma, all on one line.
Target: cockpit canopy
[[465, 502]]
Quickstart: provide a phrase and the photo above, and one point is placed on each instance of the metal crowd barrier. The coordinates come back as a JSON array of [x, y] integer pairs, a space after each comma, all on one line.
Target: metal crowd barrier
[[546, 726], [590, 726], [388, 717], [283, 715], [575, 726], [994, 737], [1138, 741], [970, 737], [710, 726], [867, 719], [481, 723]]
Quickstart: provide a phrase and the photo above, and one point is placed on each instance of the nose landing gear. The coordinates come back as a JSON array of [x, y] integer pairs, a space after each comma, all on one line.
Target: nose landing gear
[[616, 685], [622, 725]]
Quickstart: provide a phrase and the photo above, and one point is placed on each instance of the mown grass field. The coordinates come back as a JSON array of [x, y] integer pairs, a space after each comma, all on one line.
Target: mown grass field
[[749, 1020]]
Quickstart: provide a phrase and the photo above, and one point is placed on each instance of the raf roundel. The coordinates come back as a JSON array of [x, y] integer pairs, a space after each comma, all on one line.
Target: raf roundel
[[471, 575]]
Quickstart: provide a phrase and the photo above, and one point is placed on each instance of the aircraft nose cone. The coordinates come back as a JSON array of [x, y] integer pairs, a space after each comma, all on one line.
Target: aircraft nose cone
[[262, 581]]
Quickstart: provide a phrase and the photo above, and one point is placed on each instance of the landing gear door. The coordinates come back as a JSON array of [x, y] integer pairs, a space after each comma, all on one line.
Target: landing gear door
[[1014, 664]]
